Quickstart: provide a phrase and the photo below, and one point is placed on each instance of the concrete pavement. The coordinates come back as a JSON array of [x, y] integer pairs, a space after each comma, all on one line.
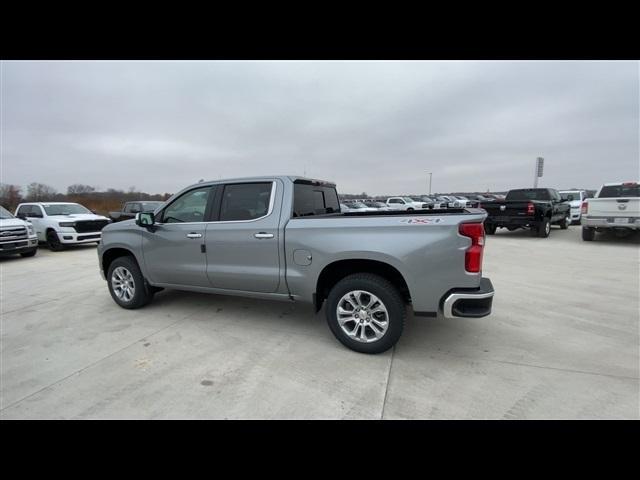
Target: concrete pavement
[[562, 342]]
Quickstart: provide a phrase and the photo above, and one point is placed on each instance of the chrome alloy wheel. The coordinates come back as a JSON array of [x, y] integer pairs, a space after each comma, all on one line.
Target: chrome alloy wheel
[[362, 316], [547, 228], [123, 284]]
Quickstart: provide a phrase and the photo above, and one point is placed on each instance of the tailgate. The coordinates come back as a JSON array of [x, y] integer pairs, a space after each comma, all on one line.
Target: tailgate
[[614, 207], [506, 209]]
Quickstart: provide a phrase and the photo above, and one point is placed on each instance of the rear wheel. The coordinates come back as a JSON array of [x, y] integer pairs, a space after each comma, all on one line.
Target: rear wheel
[[588, 234], [366, 313], [53, 241], [490, 229], [409, 209], [126, 284], [544, 229]]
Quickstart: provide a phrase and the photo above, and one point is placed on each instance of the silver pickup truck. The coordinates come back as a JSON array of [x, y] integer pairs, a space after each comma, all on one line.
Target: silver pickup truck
[[284, 238]]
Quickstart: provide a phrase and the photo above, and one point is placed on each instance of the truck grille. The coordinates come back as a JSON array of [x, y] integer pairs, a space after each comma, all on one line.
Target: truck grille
[[90, 225], [10, 234]]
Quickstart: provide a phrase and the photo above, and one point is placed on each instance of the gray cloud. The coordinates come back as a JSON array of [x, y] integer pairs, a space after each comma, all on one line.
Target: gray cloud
[[369, 126]]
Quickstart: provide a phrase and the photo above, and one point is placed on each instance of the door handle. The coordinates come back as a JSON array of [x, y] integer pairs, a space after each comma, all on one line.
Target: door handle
[[263, 235], [194, 235]]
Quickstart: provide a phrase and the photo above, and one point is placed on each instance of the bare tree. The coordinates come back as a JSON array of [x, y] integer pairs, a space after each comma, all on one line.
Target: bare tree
[[39, 192], [79, 188], [10, 195]]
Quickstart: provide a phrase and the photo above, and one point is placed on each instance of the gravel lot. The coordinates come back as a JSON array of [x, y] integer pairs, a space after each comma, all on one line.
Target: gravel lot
[[562, 342]]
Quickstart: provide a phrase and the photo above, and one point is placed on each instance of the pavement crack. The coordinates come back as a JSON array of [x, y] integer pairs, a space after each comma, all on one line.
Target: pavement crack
[[386, 390]]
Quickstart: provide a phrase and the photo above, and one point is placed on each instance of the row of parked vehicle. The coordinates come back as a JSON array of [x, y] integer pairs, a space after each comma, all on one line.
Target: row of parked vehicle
[[58, 225], [418, 203]]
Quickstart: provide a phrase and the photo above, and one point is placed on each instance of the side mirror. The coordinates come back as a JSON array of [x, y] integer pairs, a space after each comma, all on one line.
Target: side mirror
[[145, 219], [21, 216]]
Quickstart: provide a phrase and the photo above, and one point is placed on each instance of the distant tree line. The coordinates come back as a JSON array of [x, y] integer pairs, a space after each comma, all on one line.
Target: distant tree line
[[99, 201]]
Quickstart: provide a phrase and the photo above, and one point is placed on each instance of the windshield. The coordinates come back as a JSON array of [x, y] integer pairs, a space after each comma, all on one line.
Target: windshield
[[613, 191], [4, 214], [529, 194], [64, 208], [150, 206], [358, 205], [407, 199], [565, 195]]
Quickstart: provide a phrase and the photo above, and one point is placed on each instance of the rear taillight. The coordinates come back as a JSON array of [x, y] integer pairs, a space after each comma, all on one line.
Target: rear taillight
[[531, 209], [473, 255], [585, 208]]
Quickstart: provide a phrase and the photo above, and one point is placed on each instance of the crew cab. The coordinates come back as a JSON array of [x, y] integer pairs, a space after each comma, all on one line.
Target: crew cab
[[405, 203], [616, 207], [129, 210], [61, 224], [284, 238], [533, 208], [16, 236]]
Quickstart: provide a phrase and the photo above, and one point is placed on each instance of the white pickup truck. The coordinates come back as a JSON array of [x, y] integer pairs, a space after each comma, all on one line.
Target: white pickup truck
[[16, 236], [61, 224], [615, 207], [405, 204]]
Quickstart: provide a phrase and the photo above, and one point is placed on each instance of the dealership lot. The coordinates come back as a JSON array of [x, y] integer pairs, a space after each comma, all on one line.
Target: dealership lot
[[562, 342]]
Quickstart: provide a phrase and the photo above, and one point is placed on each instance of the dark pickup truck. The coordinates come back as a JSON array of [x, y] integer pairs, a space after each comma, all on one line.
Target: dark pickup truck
[[129, 210], [533, 208]]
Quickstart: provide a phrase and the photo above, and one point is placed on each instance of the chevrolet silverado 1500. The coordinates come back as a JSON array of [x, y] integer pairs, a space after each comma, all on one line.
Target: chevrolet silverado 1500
[[285, 238]]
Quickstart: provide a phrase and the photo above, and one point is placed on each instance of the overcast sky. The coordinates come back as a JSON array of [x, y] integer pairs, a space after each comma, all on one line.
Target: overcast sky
[[375, 127]]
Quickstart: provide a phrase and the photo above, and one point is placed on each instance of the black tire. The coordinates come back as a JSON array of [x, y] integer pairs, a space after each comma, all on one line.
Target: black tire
[[53, 241], [142, 293], [409, 209], [544, 229], [388, 295], [490, 229], [588, 234], [30, 253], [564, 224]]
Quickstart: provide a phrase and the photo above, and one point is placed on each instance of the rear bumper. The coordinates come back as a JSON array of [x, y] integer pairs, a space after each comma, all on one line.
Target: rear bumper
[[609, 222], [507, 221], [469, 303]]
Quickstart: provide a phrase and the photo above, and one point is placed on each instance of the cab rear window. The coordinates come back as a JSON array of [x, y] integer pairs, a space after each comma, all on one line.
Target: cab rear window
[[613, 191], [314, 200]]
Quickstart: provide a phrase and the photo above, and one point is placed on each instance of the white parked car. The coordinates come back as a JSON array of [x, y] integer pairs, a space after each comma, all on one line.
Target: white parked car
[[615, 207], [453, 202], [61, 224], [575, 199], [381, 206], [404, 203], [16, 236], [357, 207]]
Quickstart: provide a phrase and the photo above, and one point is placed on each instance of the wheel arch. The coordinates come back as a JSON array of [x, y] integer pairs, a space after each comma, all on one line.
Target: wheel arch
[[335, 271], [113, 253]]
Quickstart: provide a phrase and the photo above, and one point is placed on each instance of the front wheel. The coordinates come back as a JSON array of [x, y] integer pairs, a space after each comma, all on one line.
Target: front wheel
[[366, 313], [490, 229], [126, 284], [564, 224], [30, 253], [53, 241]]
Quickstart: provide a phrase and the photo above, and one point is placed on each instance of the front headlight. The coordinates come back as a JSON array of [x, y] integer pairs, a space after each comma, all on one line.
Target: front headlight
[[30, 229], [67, 224]]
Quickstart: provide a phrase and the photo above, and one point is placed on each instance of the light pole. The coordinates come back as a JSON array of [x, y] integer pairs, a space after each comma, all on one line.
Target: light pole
[[430, 175]]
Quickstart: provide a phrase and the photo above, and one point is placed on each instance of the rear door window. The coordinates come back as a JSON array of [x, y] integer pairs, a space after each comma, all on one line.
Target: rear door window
[[245, 201]]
